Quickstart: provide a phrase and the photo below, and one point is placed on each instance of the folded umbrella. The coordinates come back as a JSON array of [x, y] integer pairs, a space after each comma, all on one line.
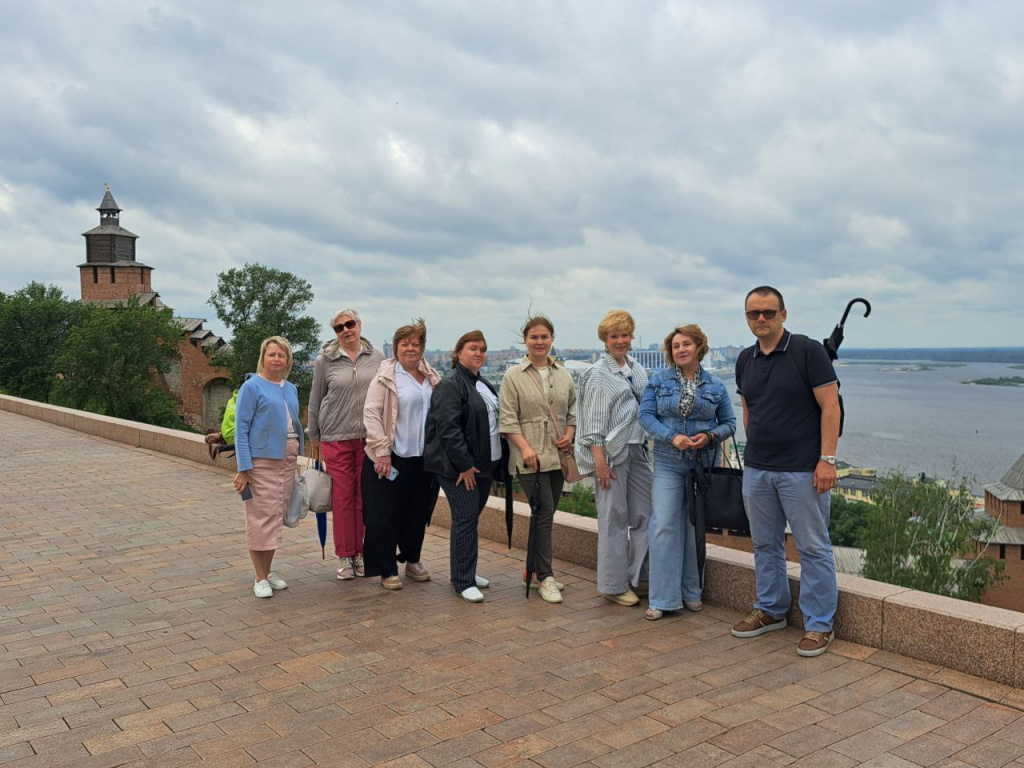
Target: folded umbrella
[[531, 539], [832, 342]]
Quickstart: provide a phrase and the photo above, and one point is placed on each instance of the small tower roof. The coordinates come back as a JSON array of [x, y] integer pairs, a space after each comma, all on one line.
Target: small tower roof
[[108, 203], [1011, 487]]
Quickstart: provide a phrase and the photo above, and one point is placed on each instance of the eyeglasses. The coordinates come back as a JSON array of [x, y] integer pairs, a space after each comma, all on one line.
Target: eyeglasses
[[769, 314], [347, 326]]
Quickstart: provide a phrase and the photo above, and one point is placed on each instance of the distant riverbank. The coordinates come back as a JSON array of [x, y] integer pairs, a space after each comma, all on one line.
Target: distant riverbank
[[923, 419]]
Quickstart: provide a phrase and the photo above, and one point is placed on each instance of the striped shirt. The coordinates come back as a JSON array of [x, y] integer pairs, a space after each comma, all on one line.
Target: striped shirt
[[608, 404]]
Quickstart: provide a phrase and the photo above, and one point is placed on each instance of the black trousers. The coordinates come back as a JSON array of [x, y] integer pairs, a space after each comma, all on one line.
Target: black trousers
[[395, 513], [463, 542]]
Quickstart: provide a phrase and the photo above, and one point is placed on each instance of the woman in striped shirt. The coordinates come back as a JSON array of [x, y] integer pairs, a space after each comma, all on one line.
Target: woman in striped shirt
[[611, 445]]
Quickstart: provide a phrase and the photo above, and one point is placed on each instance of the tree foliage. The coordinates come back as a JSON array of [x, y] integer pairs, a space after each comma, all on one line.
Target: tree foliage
[[848, 521], [255, 302], [34, 324], [922, 536], [107, 360]]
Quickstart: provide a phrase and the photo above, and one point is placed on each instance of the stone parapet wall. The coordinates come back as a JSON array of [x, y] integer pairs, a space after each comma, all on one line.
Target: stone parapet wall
[[966, 637]]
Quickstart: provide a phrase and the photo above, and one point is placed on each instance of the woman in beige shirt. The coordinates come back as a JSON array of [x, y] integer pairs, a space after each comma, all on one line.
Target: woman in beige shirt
[[538, 416]]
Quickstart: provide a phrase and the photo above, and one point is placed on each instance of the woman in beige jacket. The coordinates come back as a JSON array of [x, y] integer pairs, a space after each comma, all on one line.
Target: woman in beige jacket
[[398, 495], [538, 416]]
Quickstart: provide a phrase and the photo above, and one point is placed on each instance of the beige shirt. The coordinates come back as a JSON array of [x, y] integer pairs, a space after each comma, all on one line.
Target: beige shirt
[[524, 410]]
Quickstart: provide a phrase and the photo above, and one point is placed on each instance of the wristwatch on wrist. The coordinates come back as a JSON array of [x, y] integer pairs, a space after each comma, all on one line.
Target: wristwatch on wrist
[[827, 459]]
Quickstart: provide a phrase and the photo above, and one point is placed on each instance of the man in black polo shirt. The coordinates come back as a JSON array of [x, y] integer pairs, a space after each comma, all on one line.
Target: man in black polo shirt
[[791, 417]]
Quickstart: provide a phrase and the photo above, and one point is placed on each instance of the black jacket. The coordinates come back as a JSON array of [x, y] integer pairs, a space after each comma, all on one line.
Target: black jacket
[[458, 434]]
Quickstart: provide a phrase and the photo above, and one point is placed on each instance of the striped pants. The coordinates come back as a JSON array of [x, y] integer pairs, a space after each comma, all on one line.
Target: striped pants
[[463, 543]]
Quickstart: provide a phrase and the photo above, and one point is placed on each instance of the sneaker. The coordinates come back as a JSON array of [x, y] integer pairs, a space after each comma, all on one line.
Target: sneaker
[[345, 569], [549, 592], [757, 623], [276, 582], [472, 595], [262, 589], [482, 582], [693, 605], [358, 566], [627, 598], [417, 572], [391, 582], [815, 643], [536, 584]]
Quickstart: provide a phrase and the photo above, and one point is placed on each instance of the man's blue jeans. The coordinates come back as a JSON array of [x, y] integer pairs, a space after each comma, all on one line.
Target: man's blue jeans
[[772, 499], [672, 545]]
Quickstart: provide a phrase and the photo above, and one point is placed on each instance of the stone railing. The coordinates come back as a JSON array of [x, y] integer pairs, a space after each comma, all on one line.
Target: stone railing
[[966, 637]]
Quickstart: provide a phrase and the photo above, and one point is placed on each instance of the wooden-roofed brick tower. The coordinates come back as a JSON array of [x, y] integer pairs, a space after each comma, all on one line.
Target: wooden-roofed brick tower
[[111, 273]]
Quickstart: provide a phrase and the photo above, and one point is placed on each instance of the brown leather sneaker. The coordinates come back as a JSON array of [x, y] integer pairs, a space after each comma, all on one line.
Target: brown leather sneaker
[[757, 623], [815, 643]]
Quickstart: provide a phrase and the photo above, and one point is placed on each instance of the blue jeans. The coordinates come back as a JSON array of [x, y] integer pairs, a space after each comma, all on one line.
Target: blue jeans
[[772, 499], [673, 541]]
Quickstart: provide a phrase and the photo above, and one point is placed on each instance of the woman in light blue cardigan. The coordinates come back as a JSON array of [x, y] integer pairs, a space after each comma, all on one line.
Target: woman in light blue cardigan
[[268, 439]]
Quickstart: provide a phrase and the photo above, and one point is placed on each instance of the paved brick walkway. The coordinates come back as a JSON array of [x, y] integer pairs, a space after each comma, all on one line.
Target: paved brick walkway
[[129, 635]]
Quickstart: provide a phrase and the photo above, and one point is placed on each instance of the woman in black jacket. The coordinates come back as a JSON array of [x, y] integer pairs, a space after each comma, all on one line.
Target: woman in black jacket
[[463, 448]]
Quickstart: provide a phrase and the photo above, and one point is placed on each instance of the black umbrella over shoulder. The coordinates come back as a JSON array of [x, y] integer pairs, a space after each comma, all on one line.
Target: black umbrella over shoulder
[[832, 342]]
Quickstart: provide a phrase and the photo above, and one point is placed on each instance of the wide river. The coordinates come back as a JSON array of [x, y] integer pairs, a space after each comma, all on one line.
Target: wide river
[[920, 417]]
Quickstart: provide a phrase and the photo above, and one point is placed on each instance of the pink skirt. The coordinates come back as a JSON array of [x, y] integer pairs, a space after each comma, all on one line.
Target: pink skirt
[[271, 481]]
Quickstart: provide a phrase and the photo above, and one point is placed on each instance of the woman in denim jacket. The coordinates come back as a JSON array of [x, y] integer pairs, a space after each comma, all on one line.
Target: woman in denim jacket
[[688, 413]]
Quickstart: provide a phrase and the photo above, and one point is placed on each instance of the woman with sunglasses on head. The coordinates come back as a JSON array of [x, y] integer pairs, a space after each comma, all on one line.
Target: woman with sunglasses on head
[[688, 413], [463, 448], [341, 375]]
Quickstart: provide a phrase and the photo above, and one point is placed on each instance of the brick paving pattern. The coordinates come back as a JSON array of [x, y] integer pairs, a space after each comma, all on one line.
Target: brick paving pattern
[[129, 635]]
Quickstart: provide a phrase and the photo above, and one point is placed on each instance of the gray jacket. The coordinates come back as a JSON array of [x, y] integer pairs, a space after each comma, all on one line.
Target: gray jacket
[[339, 392]]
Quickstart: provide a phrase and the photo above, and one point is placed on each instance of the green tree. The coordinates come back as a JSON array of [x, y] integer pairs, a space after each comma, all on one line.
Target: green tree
[[255, 302], [107, 362], [922, 536], [34, 322], [848, 521]]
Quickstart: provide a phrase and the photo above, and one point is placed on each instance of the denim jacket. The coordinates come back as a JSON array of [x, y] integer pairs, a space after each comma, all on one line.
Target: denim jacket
[[659, 415]]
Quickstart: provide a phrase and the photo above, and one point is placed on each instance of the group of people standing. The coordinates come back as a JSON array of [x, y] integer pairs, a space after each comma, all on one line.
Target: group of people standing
[[393, 432]]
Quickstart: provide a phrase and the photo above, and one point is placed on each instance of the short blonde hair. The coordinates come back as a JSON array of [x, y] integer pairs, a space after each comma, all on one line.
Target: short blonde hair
[[616, 321], [282, 342], [693, 331]]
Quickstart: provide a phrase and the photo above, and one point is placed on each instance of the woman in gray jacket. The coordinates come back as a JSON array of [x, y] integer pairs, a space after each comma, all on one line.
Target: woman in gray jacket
[[341, 375]]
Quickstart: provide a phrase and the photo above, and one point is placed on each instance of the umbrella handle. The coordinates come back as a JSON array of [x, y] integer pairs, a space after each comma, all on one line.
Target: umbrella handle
[[849, 306]]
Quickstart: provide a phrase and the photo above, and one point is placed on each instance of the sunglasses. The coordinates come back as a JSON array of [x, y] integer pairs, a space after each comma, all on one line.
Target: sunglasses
[[769, 314], [346, 326]]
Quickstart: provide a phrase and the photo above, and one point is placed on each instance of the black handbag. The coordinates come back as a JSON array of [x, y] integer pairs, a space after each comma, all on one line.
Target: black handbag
[[714, 498]]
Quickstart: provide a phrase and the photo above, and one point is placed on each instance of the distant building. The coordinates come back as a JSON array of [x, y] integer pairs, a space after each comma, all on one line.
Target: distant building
[[111, 275], [1004, 501]]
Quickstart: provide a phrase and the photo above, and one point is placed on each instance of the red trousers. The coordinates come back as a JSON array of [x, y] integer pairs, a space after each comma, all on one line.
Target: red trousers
[[344, 459]]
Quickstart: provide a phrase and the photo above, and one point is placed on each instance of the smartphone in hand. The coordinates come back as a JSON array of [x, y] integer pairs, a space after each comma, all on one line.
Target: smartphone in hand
[[392, 474], [246, 493]]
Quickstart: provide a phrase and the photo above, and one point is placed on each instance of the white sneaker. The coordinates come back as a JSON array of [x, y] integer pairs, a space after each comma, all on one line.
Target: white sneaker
[[276, 582], [482, 583], [549, 591], [262, 589], [345, 569], [472, 595]]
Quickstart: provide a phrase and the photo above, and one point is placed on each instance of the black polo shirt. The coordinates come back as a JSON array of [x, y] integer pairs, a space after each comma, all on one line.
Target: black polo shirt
[[783, 418]]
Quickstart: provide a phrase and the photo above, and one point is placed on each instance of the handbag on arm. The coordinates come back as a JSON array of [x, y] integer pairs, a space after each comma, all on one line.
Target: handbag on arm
[[566, 459]]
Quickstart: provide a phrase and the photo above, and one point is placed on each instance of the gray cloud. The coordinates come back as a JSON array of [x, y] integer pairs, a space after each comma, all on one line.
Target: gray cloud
[[454, 160]]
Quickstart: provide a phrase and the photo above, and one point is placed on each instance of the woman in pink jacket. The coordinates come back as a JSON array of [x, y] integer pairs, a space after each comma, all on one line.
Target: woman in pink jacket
[[398, 496]]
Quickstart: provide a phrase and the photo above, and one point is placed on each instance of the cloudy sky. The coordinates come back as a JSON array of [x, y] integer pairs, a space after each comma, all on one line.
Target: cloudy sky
[[460, 160]]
